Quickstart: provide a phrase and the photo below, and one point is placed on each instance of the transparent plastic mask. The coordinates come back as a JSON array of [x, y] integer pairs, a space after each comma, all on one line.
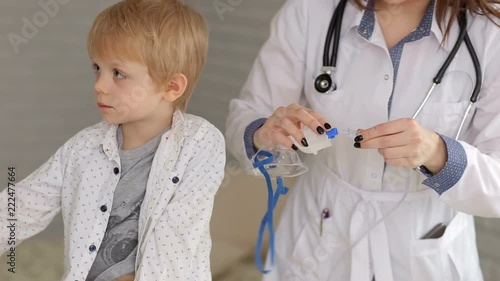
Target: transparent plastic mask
[[286, 163]]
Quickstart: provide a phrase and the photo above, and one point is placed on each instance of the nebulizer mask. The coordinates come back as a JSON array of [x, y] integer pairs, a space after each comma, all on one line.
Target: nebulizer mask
[[281, 162]]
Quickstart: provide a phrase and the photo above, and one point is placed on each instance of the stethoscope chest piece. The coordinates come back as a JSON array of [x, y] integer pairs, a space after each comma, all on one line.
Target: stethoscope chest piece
[[324, 83]]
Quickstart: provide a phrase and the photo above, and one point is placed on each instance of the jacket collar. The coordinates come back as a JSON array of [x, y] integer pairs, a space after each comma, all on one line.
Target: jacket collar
[[353, 19], [452, 36], [104, 135]]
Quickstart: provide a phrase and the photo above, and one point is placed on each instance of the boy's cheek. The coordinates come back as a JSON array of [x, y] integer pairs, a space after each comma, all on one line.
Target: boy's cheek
[[138, 95], [122, 110], [148, 84]]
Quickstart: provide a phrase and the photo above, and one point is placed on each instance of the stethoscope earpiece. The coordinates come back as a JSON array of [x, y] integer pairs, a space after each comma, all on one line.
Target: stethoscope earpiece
[[324, 83]]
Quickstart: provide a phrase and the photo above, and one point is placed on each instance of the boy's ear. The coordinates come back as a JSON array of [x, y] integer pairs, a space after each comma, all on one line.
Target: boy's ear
[[175, 87]]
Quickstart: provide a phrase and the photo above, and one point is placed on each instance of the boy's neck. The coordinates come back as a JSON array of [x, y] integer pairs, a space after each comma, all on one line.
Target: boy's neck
[[136, 134]]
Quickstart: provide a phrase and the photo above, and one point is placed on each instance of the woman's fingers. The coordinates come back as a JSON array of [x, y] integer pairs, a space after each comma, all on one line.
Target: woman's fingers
[[310, 118], [388, 141], [389, 128], [322, 125], [291, 129], [281, 138], [409, 156], [405, 143], [269, 137], [285, 122]]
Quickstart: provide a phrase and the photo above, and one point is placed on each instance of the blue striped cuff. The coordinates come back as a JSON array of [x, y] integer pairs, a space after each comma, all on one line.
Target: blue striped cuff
[[248, 136], [452, 170]]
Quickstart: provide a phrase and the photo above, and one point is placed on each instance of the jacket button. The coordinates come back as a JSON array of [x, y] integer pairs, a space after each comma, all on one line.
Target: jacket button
[[92, 248], [116, 170], [175, 179], [104, 208]]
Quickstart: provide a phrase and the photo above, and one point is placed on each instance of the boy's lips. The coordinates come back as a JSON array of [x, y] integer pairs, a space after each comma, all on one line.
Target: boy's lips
[[103, 105]]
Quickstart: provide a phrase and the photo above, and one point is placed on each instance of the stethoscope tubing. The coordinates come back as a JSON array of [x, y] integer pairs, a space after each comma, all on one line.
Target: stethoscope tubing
[[334, 30], [463, 37]]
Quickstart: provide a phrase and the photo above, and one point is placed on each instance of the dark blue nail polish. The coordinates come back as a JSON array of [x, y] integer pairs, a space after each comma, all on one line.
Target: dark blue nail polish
[[320, 130], [304, 142]]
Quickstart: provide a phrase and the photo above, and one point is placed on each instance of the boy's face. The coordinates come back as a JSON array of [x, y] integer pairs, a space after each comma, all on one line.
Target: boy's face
[[125, 92]]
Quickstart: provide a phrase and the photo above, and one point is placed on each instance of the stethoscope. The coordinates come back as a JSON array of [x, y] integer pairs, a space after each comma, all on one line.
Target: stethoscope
[[324, 82]]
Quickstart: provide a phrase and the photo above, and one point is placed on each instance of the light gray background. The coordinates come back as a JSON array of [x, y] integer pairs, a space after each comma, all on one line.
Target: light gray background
[[47, 88]]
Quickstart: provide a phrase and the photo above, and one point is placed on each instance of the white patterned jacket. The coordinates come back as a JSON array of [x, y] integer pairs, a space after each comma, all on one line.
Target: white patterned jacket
[[80, 178]]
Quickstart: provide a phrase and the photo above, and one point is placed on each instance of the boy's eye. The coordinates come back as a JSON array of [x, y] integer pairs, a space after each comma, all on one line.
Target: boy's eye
[[96, 68], [118, 74]]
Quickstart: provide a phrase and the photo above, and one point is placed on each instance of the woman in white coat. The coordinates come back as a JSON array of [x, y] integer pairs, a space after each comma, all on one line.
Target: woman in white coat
[[387, 59]]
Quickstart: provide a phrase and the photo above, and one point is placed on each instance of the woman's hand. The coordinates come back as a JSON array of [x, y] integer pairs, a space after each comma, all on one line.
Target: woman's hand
[[404, 143], [286, 121]]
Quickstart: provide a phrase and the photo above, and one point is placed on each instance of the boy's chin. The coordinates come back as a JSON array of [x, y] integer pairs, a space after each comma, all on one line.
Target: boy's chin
[[112, 120]]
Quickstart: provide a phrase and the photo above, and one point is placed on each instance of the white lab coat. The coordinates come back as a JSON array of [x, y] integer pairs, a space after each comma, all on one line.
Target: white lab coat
[[355, 184], [174, 238]]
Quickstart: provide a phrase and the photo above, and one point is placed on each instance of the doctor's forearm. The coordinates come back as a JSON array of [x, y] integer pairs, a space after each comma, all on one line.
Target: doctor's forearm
[[454, 165], [250, 130], [440, 156]]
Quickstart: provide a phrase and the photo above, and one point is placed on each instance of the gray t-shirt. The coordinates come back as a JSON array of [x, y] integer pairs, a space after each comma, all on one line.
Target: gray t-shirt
[[117, 253]]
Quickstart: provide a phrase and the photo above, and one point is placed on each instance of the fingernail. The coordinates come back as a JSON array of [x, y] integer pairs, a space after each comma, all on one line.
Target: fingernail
[[358, 138], [320, 130], [304, 142], [357, 145], [328, 126], [294, 147]]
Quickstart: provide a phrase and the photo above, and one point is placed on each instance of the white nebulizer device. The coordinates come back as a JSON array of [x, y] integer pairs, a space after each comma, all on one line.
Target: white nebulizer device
[[318, 142]]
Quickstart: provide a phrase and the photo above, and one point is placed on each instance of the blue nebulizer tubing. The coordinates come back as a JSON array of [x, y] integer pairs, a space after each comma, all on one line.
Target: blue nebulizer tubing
[[267, 221]]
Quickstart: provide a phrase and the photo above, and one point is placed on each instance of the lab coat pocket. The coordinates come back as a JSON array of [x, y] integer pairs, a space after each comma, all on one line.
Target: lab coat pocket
[[452, 257], [316, 251], [443, 117]]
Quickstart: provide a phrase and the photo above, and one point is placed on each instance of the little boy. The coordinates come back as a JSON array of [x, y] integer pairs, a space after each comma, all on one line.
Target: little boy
[[136, 190]]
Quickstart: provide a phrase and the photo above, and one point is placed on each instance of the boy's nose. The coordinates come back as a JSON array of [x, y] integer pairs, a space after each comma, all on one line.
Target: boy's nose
[[100, 86]]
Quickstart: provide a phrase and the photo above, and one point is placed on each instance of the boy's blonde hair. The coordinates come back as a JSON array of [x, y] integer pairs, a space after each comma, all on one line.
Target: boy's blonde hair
[[165, 35]]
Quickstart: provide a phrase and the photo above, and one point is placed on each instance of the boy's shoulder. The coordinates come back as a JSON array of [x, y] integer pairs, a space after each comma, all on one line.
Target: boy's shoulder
[[202, 139], [199, 126], [194, 121]]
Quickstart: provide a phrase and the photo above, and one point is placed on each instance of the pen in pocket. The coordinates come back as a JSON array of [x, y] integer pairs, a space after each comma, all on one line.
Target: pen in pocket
[[324, 215], [436, 232]]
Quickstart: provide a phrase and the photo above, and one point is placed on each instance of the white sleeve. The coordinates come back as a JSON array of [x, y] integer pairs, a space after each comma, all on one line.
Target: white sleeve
[[478, 190], [37, 199], [276, 78]]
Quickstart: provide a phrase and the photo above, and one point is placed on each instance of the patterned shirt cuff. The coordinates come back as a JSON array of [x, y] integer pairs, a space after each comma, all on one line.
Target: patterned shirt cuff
[[452, 170], [248, 136]]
